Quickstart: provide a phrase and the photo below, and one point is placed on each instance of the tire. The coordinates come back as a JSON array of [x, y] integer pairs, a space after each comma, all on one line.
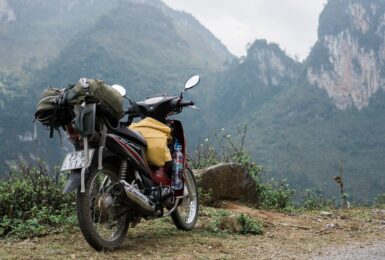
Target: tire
[[97, 212], [186, 214]]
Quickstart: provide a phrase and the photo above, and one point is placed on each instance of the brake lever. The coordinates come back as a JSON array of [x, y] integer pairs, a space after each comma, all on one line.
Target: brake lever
[[194, 107]]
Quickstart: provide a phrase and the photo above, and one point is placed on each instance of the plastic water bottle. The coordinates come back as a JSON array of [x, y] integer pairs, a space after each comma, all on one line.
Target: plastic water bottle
[[177, 168]]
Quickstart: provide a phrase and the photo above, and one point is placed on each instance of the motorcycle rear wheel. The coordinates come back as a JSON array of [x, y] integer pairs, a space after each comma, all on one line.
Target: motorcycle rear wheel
[[186, 214], [101, 221]]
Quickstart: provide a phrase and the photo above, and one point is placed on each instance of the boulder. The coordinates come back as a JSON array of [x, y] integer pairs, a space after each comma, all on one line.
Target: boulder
[[226, 182]]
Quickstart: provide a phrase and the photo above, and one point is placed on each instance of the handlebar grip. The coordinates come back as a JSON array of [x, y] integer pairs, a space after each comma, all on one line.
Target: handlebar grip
[[186, 103]]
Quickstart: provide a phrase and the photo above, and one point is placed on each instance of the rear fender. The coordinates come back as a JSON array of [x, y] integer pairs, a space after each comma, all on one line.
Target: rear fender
[[73, 182], [74, 178]]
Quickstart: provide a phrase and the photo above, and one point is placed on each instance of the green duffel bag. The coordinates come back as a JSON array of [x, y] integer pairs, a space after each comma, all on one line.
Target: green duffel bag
[[99, 92], [48, 110]]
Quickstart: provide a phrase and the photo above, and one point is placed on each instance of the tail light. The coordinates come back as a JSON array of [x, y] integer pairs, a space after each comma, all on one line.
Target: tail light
[[72, 134]]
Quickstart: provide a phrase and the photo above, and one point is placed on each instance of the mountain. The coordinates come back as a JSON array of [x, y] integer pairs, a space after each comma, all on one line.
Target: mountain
[[255, 80], [34, 32], [112, 50], [310, 116], [348, 59], [143, 45], [303, 118]]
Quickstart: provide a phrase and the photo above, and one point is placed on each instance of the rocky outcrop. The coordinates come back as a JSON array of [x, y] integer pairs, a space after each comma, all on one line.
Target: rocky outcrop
[[274, 67], [226, 182], [348, 59]]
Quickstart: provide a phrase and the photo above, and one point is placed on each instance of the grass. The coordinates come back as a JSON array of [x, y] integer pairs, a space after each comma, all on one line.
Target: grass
[[159, 238]]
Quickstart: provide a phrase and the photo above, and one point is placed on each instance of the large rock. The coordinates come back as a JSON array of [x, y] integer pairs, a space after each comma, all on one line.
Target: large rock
[[226, 182]]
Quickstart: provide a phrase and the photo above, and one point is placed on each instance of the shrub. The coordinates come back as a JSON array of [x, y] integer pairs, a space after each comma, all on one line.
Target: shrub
[[315, 200], [224, 222], [276, 194], [250, 225], [224, 148], [32, 202], [380, 200]]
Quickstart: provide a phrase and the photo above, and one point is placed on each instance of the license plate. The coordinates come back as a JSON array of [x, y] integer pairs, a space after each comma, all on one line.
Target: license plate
[[77, 160]]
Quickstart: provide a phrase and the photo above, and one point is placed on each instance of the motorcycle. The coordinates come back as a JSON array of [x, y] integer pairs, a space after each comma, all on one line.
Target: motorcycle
[[116, 186]]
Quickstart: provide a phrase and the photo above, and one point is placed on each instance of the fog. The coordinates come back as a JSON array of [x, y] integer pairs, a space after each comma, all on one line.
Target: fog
[[290, 23]]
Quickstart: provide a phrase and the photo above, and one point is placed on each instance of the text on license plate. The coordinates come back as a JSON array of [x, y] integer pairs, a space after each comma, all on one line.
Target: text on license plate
[[77, 160]]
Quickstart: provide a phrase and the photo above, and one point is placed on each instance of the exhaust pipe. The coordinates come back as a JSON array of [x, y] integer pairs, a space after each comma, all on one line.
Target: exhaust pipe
[[136, 196]]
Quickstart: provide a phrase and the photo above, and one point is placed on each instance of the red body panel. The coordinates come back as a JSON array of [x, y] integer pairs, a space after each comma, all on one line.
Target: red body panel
[[160, 176], [179, 134], [126, 149]]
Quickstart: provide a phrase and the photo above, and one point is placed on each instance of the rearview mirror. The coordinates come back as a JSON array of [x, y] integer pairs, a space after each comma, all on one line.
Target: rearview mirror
[[192, 82], [120, 89]]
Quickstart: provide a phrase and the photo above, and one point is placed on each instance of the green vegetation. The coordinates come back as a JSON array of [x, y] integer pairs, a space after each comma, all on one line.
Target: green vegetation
[[276, 194], [272, 193], [32, 203], [380, 200], [223, 222], [229, 149], [334, 18], [316, 200], [250, 225]]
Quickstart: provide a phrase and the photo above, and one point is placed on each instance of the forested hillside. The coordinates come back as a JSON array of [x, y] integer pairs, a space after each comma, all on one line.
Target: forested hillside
[[303, 118], [142, 45]]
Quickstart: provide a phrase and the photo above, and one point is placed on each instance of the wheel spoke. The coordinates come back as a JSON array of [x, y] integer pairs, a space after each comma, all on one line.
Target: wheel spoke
[[187, 211], [105, 222]]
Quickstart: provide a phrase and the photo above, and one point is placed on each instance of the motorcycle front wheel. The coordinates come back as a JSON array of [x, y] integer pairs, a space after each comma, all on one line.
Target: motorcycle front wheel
[[186, 214], [103, 222]]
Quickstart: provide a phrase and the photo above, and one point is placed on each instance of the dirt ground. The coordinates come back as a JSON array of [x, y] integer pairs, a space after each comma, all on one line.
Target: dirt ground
[[308, 235]]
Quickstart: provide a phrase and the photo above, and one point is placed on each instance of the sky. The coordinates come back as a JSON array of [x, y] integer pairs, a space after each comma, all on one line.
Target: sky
[[290, 23]]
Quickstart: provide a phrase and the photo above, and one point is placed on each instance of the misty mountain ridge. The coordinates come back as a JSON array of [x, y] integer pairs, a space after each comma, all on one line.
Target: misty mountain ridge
[[331, 110], [143, 45], [303, 118], [30, 42]]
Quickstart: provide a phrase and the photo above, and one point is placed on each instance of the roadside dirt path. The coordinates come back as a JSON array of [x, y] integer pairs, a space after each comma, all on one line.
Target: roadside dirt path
[[357, 251], [350, 234]]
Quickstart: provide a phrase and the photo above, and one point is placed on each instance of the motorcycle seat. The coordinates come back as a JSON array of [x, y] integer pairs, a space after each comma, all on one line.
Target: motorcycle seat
[[131, 135]]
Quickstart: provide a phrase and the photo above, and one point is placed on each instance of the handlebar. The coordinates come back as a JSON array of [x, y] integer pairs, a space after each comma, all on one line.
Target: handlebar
[[183, 103], [176, 105]]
